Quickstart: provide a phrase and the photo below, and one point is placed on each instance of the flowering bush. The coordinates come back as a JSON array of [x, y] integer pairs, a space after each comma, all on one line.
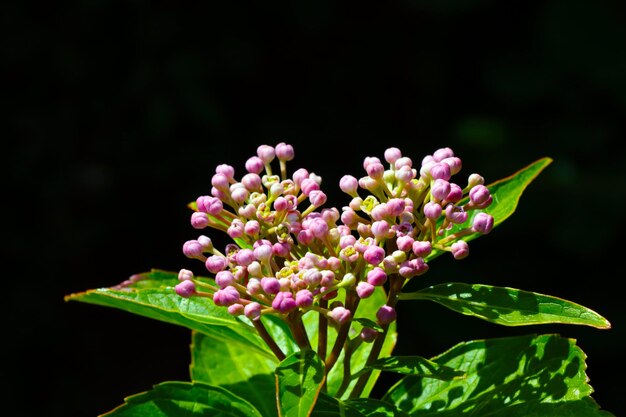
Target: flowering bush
[[297, 315]]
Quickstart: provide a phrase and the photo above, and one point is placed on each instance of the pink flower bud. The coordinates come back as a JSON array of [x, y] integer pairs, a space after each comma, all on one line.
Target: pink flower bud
[[252, 182], [270, 285], [206, 243], [440, 171], [245, 257], [216, 263], [396, 206], [364, 289], [456, 214], [224, 279], [413, 267], [454, 163], [460, 249], [349, 185], [455, 194], [199, 220], [422, 248], [392, 155], [403, 161], [308, 185], [328, 278], [340, 314], [375, 170], [185, 274], [376, 277], [226, 296], [368, 335], [281, 249], [299, 175], [254, 286], [381, 230], [483, 223], [317, 198], [440, 189], [284, 152], [432, 210], [284, 302], [193, 250], [405, 243], [220, 182], [442, 153], [385, 315], [254, 165], [405, 174], [185, 288], [252, 311], [266, 153], [479, 194], [475, 179], [235, 309], [304, 298], [236, 229], [374, 255]]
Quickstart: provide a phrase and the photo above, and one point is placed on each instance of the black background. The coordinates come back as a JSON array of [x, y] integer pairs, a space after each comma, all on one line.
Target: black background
[[118, 112]]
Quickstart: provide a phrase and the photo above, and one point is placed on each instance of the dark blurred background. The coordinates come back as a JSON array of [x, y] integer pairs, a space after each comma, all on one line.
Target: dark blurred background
[[119, 111]]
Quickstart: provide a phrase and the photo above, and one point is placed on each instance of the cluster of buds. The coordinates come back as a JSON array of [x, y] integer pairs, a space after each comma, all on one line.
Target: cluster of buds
[[290, 255]]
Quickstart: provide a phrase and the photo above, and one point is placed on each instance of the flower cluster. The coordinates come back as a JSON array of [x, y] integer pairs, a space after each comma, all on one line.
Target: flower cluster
[[290, 255]]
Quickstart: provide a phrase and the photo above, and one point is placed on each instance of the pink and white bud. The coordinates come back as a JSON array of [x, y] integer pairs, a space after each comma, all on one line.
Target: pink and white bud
[[266, 153], [376, 277], [236, 229], [252, 311], [255, 269], [235, 309], [254, 286], [281, 249], [328, 278], [349, 185], [199, 220], [284, 302], [456, 214], [460, 249], [482, 223], [442, 153], [479, 194], [440, 189], [432, 210], [374, 255], [381, 230], [308, 185], [364, 289], [193, 250], [206, 243], [226, 296], [392, 154], [440, 170], [220, 182], [270, 285], [304, 298], [184, 275], [405, 243], [403, 161], [317, 198], [422, 248], [368, 335], [340, 315], [284, 151], [455, 195], [405, 174], [185, 288], [224, 279], [209, 204], [252, 182], [386, 314], [454, 163], [216, 263], [413, 267], [375, 170], [255, 165], [239, 193], [396, 206]]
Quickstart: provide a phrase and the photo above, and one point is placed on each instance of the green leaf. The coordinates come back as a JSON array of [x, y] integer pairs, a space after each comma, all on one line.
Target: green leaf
[[414, 365], [506, 194], [371, 407], [299, 379], [240, 370], [515, 377], [328, 406], [152, 295], [367, 308], [184, 399], [508, 306]]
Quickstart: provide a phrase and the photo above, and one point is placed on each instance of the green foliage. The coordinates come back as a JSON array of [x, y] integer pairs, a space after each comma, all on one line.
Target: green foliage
[[283, 368]]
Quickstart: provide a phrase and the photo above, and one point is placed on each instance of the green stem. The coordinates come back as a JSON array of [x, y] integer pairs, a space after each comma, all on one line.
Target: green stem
[[298, 331], [392, 300], [351, 346], [352, 302], [322, 337]]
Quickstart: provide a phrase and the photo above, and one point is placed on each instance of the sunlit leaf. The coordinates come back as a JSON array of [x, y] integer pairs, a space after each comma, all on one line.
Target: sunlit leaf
[[184, 399], [516, 376], [152, 295], [508, 306], [414, 365], [299, 380], [240, 370]]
